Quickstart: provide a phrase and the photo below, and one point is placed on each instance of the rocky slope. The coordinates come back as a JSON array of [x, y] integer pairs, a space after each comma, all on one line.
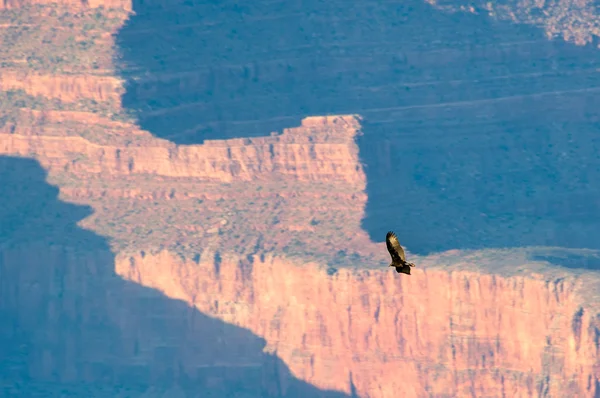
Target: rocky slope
[[574, 21], [71, 326], [265, 235]]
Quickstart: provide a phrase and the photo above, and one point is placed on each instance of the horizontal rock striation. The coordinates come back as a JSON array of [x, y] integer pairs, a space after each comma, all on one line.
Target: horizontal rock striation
[[64, 88], [449, 333], [295, 154], [266, 234]]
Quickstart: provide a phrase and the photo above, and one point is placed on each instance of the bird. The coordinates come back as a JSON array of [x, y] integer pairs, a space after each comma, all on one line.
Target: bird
[[397, 253]]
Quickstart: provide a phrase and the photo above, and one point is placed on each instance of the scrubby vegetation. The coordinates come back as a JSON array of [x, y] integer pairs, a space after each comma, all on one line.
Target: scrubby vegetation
[[51, 38], [177, 215]]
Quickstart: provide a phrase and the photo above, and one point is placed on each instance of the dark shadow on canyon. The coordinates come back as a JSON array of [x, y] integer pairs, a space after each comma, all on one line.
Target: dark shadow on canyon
[[564, 258], [71, 327], [477, 133]]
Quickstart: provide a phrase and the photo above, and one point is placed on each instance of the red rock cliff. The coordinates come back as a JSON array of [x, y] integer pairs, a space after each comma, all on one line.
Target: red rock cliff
[[449, 332], [467, 332], [297, 154], [242, 230]]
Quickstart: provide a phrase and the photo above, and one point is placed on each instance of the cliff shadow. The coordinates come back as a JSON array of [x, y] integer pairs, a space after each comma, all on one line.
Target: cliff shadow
[[72, 327], [477, 133], [568, 259]]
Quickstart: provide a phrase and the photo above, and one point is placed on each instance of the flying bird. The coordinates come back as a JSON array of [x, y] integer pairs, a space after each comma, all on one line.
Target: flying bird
[[397, 253]]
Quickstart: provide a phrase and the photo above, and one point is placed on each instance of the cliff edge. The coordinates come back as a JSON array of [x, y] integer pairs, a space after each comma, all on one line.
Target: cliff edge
[[264, 233]]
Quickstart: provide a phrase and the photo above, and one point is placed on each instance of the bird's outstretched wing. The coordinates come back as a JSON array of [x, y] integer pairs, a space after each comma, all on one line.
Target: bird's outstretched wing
[[393, 246]]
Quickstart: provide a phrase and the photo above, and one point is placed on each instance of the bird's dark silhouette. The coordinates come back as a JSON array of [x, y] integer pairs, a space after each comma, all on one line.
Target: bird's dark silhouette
[[397, 253]]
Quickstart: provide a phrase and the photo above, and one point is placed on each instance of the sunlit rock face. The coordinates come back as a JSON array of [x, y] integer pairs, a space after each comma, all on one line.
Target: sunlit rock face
[[460, 333], [72, 325], [243, 163]]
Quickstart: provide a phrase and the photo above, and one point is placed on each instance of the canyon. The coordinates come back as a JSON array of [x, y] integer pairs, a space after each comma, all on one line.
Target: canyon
[[200, 214]]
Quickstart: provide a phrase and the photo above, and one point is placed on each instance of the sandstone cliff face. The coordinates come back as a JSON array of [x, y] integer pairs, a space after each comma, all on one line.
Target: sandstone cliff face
[[447, 330], [296, 154], [71, 326], [242, 229], [64, 88], [449, 333], [69, 322]]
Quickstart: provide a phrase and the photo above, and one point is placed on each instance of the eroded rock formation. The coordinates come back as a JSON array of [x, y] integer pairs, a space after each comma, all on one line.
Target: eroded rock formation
[[266, 232], [449, 333]]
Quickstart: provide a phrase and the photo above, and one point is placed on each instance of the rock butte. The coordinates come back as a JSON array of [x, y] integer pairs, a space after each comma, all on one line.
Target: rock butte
[[453, 328]]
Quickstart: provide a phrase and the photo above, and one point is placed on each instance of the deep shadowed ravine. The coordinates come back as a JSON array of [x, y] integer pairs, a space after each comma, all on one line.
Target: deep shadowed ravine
[[477, 133], [71, 326]]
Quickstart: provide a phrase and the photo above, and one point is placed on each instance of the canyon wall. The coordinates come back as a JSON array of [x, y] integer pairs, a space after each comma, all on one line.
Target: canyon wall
[[65, 88], [298, 153], [71, 325], [447, 332], [483, 128], [463, 324], [218, 258]]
